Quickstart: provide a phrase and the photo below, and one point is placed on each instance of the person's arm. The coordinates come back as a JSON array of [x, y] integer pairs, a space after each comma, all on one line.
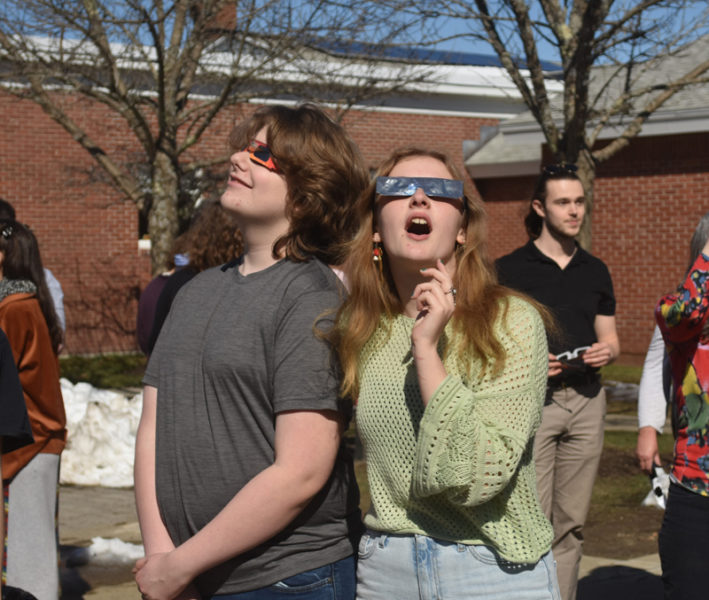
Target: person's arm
[[472, 438], [156, 539], [652, 404], [306, 446], [607, 348], [646, 449]]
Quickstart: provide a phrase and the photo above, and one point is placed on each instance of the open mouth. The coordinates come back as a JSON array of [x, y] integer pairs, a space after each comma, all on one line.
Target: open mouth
[[418, 226]]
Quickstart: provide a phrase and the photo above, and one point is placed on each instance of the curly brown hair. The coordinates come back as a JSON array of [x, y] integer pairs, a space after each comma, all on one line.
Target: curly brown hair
[[212, 238], [324, 173]]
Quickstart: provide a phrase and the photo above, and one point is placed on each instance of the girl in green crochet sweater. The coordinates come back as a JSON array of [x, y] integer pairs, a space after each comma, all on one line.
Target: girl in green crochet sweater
[[450, 371]]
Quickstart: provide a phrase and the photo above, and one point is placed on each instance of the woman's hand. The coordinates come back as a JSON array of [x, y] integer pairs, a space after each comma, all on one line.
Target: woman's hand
[[435, 301], [161, 577]]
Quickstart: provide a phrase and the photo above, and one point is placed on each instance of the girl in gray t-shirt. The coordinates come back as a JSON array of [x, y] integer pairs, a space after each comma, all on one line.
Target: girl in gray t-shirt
[[242, 484]]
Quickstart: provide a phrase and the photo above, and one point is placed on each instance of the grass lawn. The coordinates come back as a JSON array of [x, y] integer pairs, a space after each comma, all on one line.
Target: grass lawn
[[617, 526], [622, 373]]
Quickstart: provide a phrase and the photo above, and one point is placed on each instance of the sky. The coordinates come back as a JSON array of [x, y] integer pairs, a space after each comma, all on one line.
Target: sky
[[449, 27]]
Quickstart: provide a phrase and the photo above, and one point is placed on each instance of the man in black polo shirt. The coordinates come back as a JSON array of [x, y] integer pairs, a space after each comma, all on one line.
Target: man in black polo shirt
[[576, 287]]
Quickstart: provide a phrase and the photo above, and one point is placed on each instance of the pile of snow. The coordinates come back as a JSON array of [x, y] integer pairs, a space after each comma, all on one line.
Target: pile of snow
[[106, 562], [101, 440], [620, 391], [111, 551]]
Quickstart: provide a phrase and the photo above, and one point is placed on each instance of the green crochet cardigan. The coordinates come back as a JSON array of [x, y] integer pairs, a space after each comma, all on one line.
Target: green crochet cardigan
[[460, 469]]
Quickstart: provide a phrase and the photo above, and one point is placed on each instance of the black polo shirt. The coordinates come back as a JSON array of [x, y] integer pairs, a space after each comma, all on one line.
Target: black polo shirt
[[575, 295]]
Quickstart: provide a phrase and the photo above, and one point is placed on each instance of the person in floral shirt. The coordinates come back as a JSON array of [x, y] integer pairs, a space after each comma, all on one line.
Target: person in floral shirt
[[683, 319]]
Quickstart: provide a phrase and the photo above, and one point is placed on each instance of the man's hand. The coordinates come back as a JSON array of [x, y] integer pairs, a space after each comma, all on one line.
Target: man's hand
[[555, 366], [599, 355], [607, 348]]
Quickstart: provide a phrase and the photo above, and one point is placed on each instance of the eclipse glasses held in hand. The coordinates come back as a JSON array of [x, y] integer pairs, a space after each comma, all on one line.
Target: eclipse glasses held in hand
[[572, 358]]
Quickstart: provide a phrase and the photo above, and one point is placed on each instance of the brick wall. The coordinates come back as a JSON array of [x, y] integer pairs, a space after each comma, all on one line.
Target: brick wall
[[648, 199], [89, 234], [377, 133]]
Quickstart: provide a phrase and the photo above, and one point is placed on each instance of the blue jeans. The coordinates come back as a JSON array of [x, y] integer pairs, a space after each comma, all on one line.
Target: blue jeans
[[416, 566], [335, 581]]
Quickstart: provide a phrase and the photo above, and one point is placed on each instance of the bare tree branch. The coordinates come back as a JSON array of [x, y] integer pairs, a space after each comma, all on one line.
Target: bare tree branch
[[168, 68], [123, 181], [647, 110], [536, 98], [612, 57]]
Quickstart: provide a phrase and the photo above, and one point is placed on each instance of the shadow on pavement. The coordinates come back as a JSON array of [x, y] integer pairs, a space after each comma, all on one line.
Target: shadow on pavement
[[620, 583], [72, 584]]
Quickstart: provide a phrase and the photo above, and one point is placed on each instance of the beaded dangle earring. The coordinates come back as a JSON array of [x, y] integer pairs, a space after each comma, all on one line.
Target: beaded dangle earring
[[378, 255]]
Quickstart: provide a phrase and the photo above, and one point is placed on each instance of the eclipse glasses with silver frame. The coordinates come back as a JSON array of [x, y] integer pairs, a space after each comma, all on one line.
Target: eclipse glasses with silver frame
[[433, 187]]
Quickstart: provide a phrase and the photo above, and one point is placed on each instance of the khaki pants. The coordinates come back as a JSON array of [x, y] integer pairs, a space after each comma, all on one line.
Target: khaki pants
[[567, 449]]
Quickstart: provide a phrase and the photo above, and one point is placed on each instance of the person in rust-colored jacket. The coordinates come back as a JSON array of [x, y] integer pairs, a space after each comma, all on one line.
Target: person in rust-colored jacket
[[30, 473]]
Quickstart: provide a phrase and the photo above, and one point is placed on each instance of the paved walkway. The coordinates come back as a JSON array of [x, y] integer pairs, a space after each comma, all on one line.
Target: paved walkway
[[110, 513], [600, 579]]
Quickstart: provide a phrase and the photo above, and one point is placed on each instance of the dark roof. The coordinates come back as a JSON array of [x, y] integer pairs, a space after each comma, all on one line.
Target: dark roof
[[424, 55]]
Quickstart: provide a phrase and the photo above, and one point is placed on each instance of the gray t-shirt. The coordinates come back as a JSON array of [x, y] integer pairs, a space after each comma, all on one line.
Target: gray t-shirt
[[233, 353]]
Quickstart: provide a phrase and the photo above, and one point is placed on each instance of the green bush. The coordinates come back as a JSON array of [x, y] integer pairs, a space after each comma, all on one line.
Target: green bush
[[105, 371]]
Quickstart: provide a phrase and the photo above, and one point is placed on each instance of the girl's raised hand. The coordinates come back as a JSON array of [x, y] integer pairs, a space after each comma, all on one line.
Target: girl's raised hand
[[435, 302]]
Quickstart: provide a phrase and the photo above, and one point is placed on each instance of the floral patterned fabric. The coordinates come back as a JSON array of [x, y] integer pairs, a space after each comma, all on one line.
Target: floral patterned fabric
[[682, 318]]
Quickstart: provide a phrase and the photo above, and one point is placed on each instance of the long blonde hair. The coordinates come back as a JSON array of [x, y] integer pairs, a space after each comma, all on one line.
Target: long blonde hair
[[373, 295]]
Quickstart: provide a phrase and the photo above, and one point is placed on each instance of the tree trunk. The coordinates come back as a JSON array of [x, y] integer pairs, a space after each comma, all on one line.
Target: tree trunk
[[587, 175], [162, 219]]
